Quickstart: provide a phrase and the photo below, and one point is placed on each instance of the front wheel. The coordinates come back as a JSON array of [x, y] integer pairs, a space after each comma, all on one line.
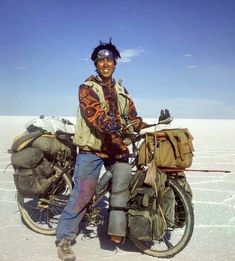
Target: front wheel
[[175, 239], [41, 214]]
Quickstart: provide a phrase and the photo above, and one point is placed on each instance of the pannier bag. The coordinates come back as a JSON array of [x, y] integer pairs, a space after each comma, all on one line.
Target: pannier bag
[[28, 158], [51, 145], [172, 149], [48, 143], [150, 216], [33, 172], [34, 153]]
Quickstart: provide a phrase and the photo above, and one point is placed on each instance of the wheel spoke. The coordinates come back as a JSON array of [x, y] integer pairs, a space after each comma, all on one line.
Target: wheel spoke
[[42, 215]]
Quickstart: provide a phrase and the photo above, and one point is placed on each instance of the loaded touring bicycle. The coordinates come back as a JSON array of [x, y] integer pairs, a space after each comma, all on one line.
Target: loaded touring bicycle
[[160, 213]]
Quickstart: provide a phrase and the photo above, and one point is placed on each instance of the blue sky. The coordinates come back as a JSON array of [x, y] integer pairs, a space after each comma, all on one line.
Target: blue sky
[[176, 54]]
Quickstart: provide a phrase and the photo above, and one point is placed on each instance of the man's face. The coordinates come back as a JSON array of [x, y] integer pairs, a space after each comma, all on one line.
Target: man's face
[[105, 68]]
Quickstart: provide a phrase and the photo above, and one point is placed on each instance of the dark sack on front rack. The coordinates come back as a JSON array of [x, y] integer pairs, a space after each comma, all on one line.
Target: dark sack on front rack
[[174, 149], [150, 216]]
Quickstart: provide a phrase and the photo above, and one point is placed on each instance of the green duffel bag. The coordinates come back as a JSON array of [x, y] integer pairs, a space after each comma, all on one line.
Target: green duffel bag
[[24, 140], [27, 158], [51, 146], [29, 185], [35, 181]]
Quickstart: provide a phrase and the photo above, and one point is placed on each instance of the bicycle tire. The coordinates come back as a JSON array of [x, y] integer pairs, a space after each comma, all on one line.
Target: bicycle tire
[[167, 251], [43, 219]]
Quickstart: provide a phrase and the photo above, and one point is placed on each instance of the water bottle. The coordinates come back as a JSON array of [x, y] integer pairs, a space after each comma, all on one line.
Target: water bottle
[[103, 181]]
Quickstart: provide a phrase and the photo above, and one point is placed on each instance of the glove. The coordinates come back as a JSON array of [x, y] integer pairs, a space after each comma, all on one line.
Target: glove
[[165, 116]]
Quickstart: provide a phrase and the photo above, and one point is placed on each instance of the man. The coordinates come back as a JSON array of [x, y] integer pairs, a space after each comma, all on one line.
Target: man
[[104, 111]]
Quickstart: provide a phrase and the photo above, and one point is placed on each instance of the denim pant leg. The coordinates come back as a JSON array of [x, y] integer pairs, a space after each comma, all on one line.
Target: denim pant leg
[[86, 174]]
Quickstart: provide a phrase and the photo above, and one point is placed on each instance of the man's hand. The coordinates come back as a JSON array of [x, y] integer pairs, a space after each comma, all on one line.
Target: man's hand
[[112, 128]]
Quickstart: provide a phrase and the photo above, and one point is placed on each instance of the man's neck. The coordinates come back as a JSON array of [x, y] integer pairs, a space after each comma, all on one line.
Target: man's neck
[[105, 81]]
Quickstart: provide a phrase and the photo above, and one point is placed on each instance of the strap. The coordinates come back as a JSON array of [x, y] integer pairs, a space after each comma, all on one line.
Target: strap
[[174, 142], [25, 140], [190, 140], [180, 148], [118, 208], [120, 191], [146, 151]]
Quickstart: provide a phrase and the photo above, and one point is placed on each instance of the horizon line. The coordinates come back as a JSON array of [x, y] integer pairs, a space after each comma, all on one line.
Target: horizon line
[[64, 116]]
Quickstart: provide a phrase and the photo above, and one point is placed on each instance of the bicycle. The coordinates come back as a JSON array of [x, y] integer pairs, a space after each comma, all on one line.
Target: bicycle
[[41, 214]]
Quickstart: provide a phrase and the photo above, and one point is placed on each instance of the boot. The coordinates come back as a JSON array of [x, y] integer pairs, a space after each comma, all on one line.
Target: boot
[[65, 251]]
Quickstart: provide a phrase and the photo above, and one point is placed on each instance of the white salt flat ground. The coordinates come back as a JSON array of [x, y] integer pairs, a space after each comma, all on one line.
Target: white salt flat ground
[[214, 203]]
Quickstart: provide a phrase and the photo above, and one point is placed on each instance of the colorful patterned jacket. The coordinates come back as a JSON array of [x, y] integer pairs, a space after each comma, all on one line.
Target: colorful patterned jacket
[[100, 118]]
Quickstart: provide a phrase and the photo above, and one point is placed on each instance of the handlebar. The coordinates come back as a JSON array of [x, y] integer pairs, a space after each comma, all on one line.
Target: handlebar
[[164, 121], [138, 136]]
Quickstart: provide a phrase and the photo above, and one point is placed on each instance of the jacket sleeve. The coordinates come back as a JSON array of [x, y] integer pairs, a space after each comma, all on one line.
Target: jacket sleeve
[[92, 112], [133, 116]]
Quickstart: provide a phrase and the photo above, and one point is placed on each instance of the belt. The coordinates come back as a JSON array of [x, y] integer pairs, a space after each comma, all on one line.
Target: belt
[[85, 152]]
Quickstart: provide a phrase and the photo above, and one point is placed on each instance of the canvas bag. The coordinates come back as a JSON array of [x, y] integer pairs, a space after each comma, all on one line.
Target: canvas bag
[[33, 156], [145, 219], [51, 146], [33, 172], [27, 159], [173, 149], [30, 184]]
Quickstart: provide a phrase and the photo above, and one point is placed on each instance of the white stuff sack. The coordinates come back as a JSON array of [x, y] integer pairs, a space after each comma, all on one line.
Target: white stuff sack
[[51, 124]]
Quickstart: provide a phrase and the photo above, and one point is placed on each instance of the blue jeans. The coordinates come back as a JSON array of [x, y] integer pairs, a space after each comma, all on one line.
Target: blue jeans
[[86, 174]]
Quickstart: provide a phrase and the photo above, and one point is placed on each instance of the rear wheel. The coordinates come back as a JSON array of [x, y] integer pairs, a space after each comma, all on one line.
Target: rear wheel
[[175, 239], [41, 214]]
